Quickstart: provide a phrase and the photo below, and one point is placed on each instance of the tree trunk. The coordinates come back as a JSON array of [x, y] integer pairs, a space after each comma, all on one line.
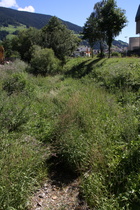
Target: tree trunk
[[109, 51], [101, 48]]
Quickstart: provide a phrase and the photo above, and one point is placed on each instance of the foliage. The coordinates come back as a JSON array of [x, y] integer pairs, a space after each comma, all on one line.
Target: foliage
[[28, 19], [88, 117], [24, 41], [9, 30], [43, 62], [116, 54], [3, 34], [21, 159], [104, 23], [7, 44], [16, 83], [91, 30], [111, 179], [113, 21], [56, 36]]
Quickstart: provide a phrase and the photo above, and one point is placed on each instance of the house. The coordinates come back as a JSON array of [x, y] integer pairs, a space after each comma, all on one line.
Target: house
[[134, 42], [82, 51], [137, 19]]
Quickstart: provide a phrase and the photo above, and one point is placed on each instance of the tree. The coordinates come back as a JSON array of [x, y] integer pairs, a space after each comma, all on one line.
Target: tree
[[55, 35], [104, 23], [7, 44], [91, 30], [113, 20], [24, 41]]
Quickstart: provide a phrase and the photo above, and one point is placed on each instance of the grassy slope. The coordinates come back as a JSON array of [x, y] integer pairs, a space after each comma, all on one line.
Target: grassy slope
[[11, 29], [90, 114]]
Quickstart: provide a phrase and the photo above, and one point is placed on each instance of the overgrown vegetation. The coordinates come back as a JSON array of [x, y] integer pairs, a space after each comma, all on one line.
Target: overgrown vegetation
[[89, 116], [84, 111], [55, 36]]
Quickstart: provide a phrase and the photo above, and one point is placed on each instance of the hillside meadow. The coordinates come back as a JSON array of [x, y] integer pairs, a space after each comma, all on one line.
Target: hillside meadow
[[88, 115], [12, 30]]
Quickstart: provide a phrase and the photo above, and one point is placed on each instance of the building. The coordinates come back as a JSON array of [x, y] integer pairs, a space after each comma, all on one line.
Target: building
[[137, 19], [82, 51], [134, 42]]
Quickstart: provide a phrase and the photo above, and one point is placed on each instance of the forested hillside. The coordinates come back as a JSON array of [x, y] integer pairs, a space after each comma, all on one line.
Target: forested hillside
[[14, 17]]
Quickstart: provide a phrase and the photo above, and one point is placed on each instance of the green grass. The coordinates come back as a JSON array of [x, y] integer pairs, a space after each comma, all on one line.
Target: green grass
[[88, 118], [11, 29]]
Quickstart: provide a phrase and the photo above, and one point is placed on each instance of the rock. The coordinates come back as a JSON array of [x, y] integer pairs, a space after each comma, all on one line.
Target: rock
[[42, 195], [54, 197]]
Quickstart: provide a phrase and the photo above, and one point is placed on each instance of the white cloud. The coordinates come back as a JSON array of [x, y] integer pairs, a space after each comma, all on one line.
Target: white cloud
[[8, 3], [27, 9], [12, 3]]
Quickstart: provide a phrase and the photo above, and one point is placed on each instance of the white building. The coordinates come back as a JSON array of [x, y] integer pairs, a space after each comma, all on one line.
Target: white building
[[134, 43]]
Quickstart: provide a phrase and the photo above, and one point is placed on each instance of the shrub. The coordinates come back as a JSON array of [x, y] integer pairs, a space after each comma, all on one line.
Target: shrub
[[116, 54], [43, 62], [17, 83]]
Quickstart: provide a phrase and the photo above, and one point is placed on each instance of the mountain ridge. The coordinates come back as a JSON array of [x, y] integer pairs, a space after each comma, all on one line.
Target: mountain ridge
[[17, 18], [14, 17]]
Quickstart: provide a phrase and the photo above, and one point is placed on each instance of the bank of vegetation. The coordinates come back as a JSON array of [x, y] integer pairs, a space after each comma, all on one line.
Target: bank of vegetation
[[88, 115], [82, 112]]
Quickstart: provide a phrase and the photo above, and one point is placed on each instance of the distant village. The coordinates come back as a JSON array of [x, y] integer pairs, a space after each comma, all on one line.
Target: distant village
[[83, 50], [133, 47]]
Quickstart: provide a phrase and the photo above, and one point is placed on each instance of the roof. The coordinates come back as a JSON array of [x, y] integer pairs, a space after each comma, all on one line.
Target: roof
[[138, 14]]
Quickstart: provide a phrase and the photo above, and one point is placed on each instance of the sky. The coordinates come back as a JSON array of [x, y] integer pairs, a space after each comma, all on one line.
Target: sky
[[76, 11]]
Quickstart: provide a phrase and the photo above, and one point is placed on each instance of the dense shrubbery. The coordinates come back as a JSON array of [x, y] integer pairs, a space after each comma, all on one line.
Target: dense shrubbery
[[116, 54], [43, 62], [92, 123]]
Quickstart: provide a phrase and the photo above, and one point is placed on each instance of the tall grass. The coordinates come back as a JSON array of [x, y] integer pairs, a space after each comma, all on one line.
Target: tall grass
[[22, 156], [109, 137], [90, 121]]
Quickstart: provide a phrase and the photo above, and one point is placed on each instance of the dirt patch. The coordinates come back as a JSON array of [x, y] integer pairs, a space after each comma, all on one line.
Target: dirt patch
[[60, 192]]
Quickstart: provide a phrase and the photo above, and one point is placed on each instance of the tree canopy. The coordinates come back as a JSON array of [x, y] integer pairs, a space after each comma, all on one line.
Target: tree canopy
[[24, 41], [113, 21], [104, 23], [63, 41]]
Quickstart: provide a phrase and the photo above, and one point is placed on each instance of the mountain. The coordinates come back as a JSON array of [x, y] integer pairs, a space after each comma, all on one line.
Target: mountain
[[11, 21], [16, 18], [120, 44]]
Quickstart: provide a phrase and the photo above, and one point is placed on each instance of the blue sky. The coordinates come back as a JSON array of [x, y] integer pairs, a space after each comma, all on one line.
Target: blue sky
[[76, 11]]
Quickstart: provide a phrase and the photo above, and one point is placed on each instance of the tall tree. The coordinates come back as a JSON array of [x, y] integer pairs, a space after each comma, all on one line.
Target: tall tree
[[57, 36], [104, 23], [113, 20], [24, 41], [91, 30]]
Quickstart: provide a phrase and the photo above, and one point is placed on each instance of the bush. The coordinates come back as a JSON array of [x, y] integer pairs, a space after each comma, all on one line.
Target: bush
[[116, 54], [16, 83], [43, 62]]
